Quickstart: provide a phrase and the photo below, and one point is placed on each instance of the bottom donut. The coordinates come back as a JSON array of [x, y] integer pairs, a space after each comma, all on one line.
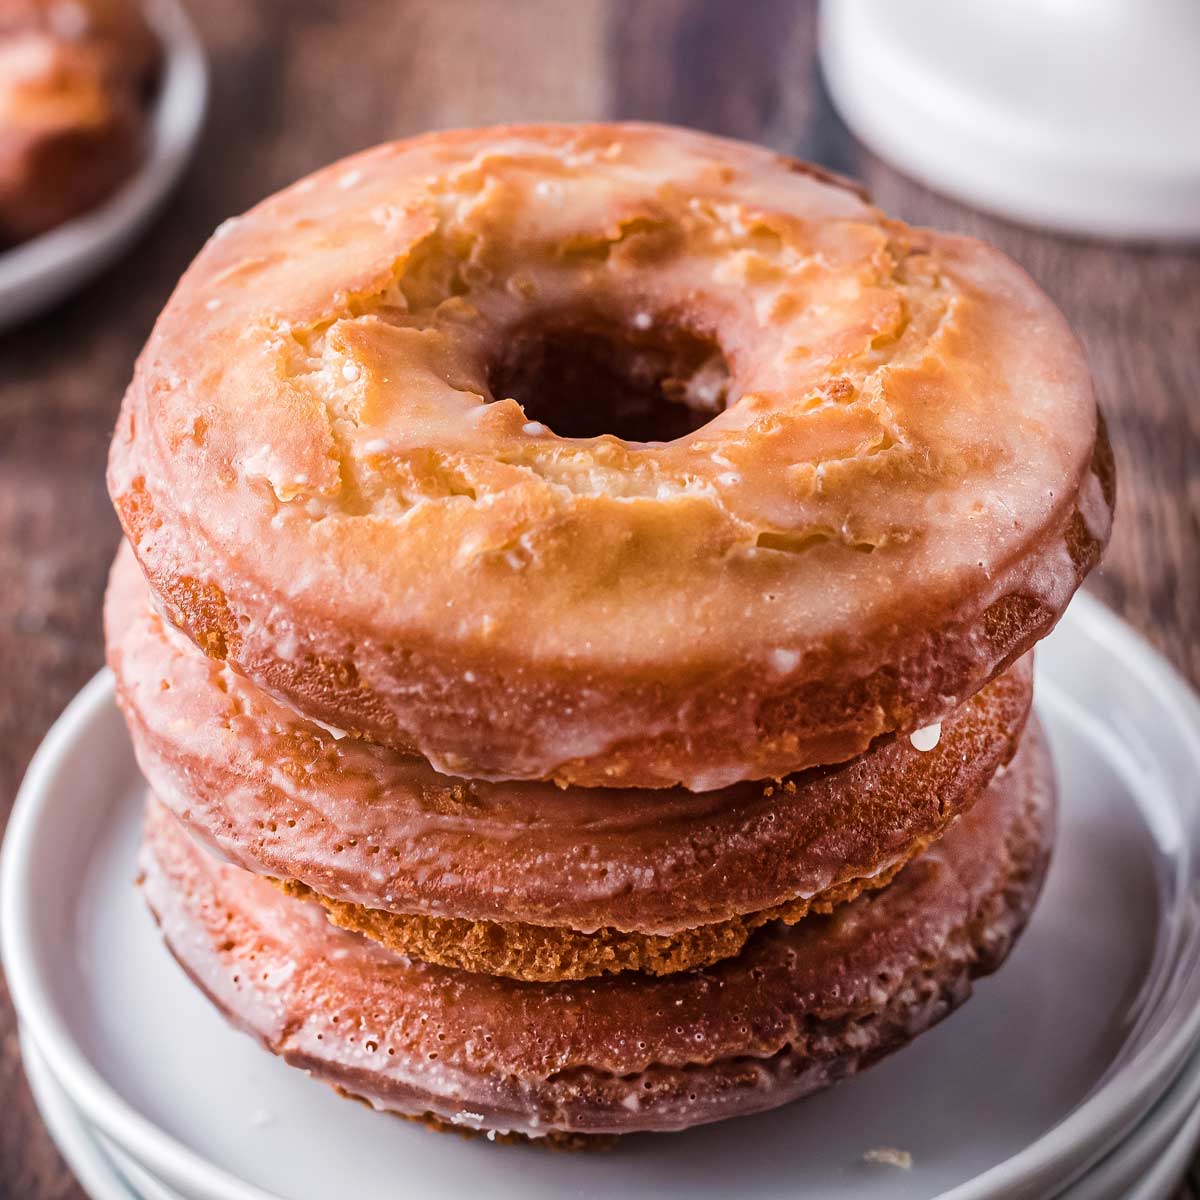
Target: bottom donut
[[801, 1007]]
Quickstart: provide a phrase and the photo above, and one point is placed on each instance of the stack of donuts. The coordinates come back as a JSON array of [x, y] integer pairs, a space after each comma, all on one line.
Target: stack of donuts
[[575, 623]]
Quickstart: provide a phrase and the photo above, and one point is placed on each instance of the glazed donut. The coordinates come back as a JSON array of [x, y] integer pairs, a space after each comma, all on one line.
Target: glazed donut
[[116, 32], [527, 879], [76, 82], [611, 454], [608, 454], [801, 1007]]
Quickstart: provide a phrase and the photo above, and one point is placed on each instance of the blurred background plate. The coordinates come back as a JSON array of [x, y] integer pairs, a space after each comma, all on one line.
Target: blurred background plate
[[1046, 1069], [1076, 115], [36, 273]]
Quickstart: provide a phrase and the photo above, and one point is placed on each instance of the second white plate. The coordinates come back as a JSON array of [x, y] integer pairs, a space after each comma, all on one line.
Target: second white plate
[[1146, 1166]]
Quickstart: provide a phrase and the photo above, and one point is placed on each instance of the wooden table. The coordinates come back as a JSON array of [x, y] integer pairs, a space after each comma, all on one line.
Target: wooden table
[[299, 82]]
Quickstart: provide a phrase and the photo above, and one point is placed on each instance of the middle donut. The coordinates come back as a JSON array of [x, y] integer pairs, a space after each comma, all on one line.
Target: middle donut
[[529, 880]]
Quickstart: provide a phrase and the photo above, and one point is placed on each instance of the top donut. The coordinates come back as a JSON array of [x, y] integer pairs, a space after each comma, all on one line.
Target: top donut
[[611, 454]]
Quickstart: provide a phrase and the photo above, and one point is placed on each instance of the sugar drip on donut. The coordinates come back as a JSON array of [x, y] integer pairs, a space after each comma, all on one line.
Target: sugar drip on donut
[[926, 738]]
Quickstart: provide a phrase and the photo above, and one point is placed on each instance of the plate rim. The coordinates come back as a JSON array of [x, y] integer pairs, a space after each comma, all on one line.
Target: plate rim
[[1171, 1135], [69, 1130], [1108, 1107], [1100, 1120], [67, 1125]]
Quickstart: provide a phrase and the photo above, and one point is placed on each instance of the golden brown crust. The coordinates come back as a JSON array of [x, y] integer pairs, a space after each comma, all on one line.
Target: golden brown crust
[[76, 78], [907, 484], [546, 954], [801, 1007], [366, 827]]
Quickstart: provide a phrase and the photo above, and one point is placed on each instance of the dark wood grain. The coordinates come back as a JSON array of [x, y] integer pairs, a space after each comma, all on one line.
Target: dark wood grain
[[299, 82]]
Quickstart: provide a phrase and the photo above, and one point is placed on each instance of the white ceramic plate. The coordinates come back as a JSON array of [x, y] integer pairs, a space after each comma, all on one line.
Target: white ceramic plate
[[1068, 115], [1151, 1161], [1148, 1165], [104, 1171], [1041, 1073], [36, 273], [96, 1173]]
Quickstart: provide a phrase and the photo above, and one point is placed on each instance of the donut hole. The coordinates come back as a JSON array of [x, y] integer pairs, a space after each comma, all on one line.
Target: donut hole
[[640, 380]]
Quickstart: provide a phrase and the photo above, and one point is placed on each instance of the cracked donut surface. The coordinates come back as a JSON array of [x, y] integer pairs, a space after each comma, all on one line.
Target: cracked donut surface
[[613, 455]]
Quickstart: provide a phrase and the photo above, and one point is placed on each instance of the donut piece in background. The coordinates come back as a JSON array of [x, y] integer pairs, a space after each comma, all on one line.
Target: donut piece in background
[[801, 1007], [618, 455], [527, 879], [77, 79]]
